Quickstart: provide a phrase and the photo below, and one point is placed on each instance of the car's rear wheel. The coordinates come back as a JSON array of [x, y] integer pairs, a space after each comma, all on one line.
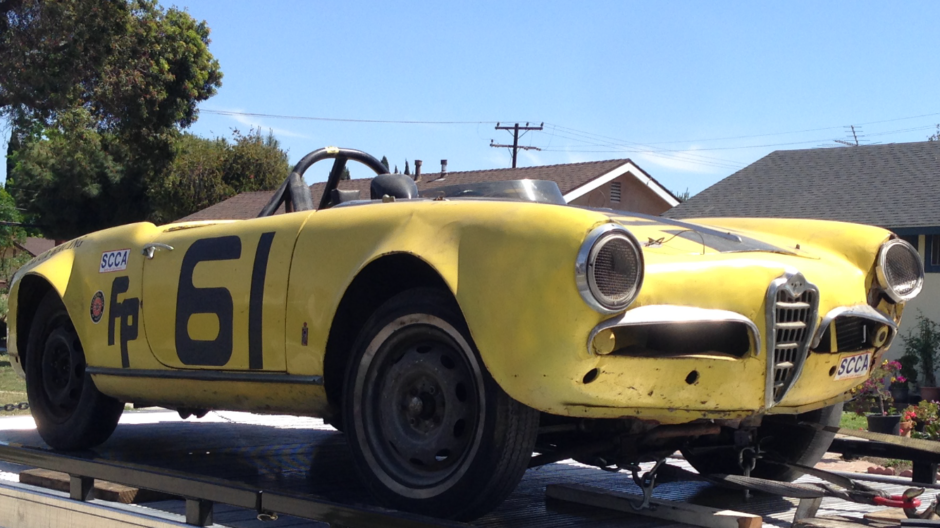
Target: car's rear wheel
[[783, 438], [69, 410], [430, 430]]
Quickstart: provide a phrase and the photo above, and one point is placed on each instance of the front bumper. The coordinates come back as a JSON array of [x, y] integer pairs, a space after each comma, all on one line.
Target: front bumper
[[789, 365]]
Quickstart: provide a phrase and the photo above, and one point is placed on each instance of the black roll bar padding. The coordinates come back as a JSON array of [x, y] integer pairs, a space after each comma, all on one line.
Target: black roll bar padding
[[332, 182], [300, 197], [280, 195]]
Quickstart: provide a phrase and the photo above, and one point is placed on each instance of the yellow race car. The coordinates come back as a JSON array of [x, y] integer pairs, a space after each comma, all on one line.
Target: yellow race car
[[454, 333]]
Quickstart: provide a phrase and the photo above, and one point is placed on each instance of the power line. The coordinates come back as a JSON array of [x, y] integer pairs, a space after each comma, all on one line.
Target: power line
[[792, 131], [342, 120], [515, 139]]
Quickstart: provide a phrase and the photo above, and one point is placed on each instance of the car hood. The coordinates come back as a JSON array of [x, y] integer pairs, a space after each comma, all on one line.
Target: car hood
[[659, 234]]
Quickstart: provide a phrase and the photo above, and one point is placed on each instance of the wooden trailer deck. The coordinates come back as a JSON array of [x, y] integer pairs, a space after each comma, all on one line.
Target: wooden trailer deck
[[304, 457]]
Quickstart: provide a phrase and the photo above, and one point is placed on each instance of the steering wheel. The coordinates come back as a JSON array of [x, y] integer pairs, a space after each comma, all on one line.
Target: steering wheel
[[294, 193]]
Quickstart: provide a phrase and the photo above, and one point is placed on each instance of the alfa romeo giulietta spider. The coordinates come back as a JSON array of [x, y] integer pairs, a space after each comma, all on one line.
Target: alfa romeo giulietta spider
[[464, 334]]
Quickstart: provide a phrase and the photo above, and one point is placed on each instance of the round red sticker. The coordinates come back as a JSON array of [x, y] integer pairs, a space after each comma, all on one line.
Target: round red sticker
[[97, 306]]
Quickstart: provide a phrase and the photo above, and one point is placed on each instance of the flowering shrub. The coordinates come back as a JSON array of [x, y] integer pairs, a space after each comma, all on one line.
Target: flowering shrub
[[873, 395], [926, 419]]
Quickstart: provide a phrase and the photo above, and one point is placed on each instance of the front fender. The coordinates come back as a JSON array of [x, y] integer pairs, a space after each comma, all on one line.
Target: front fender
[[51, 269]]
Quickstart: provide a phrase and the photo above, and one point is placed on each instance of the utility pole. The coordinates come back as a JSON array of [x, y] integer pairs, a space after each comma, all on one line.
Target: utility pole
[[515, 139]]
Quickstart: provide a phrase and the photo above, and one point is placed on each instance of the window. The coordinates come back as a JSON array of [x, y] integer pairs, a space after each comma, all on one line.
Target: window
[[911, 239], [615, 192], [932, 254]]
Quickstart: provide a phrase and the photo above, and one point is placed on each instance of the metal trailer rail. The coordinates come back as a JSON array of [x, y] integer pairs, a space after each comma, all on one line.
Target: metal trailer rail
[[925, 462], [201, 493]]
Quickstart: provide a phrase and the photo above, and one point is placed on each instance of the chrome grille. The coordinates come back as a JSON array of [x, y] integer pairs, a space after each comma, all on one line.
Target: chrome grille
[[791, 320]]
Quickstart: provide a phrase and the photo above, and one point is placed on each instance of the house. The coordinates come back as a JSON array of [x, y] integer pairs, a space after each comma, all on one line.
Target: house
[[895, 186], [615, 184]]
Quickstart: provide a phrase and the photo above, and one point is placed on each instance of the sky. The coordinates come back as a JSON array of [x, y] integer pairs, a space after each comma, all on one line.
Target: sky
[[690, 91]]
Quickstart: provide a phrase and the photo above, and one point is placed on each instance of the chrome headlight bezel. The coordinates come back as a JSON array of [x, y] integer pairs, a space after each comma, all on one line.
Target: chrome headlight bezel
[[881, 262], [584, 266]]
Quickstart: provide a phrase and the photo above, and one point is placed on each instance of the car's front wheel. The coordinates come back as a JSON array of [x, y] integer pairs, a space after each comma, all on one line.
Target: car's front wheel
[[69, 410], [430, 430]]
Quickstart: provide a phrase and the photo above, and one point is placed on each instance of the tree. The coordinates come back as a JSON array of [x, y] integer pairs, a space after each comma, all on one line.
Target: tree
[[407, 169], [936, 136], [345, 175], [207, 171], [385, 162], [96, 92], [9, 237], [135, 67], [683, 196], [396, 169]]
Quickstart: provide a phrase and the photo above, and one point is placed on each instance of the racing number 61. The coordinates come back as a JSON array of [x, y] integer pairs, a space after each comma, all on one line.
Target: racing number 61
[[191, 300]]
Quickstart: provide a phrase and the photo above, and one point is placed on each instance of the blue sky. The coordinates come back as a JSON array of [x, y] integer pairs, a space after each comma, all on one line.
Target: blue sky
[[691, 91]]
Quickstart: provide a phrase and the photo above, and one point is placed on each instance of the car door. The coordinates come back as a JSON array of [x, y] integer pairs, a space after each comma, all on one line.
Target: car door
[[214, 295]]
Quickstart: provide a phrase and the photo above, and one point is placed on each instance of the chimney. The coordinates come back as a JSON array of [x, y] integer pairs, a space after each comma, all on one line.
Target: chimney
[[417, 171], [443, 169]]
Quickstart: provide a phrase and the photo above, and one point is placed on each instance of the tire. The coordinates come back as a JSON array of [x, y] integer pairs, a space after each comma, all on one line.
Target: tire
[[69, 411], [781, 436], [430, 430]]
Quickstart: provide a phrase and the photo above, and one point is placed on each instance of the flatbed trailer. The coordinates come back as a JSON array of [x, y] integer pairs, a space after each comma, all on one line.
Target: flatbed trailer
[[298, 470]]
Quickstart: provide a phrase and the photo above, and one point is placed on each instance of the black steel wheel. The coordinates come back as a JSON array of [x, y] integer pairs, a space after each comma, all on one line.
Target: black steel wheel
[[430, 430], [782, 438], [69, 411]]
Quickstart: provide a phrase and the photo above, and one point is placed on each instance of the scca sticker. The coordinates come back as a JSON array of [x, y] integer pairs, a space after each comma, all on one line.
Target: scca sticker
[[855, 366], [97, 306], [114, 261]]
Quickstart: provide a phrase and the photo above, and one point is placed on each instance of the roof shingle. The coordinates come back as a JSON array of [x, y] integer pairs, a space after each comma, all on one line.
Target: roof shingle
[[568, 177], [895, 185]]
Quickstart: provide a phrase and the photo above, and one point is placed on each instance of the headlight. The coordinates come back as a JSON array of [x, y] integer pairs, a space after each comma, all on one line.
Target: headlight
[[900, 270], [609, 269]]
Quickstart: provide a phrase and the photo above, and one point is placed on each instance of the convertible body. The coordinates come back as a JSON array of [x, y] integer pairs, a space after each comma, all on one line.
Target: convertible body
[[715, 321], [260, 298]]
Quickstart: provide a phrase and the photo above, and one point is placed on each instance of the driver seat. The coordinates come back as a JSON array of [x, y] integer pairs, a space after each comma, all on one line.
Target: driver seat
[[397, 186]]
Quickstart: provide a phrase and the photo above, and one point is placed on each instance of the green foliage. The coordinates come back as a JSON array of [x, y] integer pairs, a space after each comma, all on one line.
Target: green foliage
[[52, 51], [75, 179], [345, 175], [936, 136], [207, 171], [97, 91], [9, 237], [922, 349], [850, 420], [925, 419], [135, 67], [385, 162], [407, 168], [683, 196]]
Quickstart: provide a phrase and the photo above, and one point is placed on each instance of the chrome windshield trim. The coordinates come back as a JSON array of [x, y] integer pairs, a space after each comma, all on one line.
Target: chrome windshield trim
[[863, 311], [667, 313]]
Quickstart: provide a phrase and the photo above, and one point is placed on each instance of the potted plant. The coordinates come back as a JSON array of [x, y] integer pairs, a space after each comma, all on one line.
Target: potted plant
[[873, 400], [922, 420], [922, 348], [898, 388]]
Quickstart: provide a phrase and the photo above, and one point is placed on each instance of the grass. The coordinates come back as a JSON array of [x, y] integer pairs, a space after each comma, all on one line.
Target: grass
[[850, 420], [12, 387]]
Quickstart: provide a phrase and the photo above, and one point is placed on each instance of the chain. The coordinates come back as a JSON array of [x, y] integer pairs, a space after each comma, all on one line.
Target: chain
[[10, 407]]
